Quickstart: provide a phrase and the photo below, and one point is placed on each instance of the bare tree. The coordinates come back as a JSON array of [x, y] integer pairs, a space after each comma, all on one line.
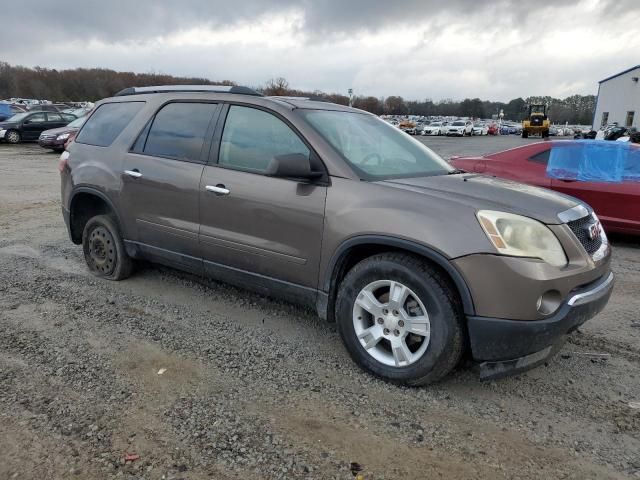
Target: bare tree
[[277, 86]]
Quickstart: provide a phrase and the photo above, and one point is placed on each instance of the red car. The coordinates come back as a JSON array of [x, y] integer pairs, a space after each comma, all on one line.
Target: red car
[[616, 203]]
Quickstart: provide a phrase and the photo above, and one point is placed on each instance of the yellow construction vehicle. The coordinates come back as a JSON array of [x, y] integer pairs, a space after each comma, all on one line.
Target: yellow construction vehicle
[[538, 123]]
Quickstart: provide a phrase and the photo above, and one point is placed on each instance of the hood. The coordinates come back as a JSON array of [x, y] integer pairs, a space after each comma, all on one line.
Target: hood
[[59, 131], [489, 193], [5, 125]]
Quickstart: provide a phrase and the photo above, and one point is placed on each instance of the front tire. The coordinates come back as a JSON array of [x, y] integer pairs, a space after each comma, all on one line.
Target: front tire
[[400, 319], [13, 136], [104, 249]]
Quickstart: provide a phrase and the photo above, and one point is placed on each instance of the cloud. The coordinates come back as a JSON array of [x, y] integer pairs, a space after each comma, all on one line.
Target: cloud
[[415, 48]]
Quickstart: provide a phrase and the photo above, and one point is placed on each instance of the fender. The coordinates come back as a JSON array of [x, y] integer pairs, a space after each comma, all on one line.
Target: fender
[[427, 252], [97, 193]]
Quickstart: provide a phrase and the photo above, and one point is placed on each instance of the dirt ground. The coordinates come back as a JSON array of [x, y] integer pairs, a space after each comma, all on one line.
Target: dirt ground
[[256, 389]]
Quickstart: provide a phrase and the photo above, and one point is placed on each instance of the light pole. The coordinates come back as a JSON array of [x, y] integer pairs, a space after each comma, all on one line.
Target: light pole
[[350, 97]]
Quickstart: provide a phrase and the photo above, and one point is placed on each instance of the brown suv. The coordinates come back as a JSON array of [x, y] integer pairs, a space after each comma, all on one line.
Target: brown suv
[[332, 208]]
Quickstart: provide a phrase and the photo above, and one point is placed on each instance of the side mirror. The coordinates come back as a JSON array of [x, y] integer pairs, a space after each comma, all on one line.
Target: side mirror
[[294, 165]]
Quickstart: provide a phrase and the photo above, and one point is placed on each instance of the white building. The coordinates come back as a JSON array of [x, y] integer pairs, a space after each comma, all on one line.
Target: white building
[[619, 100]]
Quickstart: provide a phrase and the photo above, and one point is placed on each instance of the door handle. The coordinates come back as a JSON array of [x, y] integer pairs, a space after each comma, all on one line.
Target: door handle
[[219, 189], [135, 173]]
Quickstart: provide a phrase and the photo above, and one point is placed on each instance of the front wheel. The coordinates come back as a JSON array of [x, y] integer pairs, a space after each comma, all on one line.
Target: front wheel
[[400, 319], [104, 249], [13, 136]]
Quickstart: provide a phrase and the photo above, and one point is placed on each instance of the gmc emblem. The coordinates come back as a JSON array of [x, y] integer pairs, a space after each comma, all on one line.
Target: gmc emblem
[[594, 231]]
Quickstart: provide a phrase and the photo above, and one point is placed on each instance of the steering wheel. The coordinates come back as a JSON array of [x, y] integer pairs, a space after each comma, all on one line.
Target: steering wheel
[[368, 159]]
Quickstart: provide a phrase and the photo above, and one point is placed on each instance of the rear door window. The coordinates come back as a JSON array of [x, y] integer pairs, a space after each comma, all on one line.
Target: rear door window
[[179, 131], [107, 122], [54, 117]]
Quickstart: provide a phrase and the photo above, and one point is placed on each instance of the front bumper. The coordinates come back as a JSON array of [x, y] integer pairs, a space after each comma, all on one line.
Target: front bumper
[[504, 347], [50, 143], [2, 133]]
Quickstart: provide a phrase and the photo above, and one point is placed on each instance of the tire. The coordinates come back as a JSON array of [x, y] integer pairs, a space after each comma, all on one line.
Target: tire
[[525, 134], [104, 249], [431, 356], [12, 136]]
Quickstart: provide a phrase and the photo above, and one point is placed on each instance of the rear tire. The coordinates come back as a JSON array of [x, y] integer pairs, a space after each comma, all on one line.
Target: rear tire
[[525, 134], [13, 136], [427, 289], [104, 249]]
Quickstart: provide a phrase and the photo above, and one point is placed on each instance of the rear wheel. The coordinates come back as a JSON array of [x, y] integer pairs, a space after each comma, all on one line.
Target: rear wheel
[[13, 136], [104, 249], [400, 319], [525, 134]]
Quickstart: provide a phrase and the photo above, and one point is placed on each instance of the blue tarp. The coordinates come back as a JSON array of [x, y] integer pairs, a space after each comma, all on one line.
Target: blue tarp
[[595, 161]]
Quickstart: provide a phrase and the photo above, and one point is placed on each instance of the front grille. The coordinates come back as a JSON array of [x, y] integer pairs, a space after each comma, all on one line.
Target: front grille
[[580, 229]]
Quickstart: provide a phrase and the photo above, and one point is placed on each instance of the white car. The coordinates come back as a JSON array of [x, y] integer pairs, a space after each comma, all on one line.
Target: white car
[[460, 127], [435, 128], [480, 129]]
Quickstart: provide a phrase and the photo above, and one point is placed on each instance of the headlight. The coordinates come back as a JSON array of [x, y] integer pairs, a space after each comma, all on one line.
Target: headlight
[[64, 136], [522, 237]]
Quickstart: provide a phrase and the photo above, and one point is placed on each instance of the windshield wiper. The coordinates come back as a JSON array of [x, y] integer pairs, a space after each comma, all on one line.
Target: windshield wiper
[[457, 171]]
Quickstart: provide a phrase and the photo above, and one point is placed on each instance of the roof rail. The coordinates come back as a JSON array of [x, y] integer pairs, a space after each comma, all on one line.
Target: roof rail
[[188, 88]]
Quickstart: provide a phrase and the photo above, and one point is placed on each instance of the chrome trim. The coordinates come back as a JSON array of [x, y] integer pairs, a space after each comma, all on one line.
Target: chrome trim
[[574, 213], [218, 190], [133, 173], [593, 294]]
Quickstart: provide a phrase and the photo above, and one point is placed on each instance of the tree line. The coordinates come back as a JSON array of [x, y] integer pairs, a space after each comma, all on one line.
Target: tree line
[[92, 84]]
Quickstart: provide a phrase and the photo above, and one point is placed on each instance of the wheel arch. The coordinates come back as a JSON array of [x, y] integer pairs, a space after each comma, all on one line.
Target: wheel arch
[[86, 202], [358, 248]]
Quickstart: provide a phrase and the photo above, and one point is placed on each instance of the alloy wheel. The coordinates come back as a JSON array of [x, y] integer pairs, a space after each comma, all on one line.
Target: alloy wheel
[[391, 323]]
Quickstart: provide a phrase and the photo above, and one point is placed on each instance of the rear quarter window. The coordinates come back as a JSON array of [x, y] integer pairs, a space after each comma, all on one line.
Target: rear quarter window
[[107, 122]]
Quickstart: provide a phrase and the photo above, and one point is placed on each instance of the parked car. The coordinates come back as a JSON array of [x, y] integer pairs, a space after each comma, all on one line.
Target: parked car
[[5, 111], [434, 128], [56, 138], [43, 107], [493, 129], [460, 127], [29, 125], [333, 208], [77, 112], [617, 204], [480, 129]]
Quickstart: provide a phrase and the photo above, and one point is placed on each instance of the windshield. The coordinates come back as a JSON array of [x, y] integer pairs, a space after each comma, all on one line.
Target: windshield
[[374, 149], [18, 117], [457, 124]]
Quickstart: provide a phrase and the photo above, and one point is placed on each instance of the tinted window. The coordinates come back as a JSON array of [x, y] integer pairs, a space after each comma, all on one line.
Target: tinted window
[[54, 117], [252, 137], [542, 157], [68, 118], [107, 122], [178, 130]]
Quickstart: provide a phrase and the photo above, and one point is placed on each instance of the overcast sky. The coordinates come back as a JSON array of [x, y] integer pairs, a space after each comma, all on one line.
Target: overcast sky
[[415, 48]]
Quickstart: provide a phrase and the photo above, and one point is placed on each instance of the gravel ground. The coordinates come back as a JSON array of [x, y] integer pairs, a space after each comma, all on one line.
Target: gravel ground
[[255, 388]]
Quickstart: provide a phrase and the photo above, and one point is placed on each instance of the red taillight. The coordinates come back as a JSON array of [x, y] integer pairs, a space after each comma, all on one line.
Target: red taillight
[[62, 164]]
